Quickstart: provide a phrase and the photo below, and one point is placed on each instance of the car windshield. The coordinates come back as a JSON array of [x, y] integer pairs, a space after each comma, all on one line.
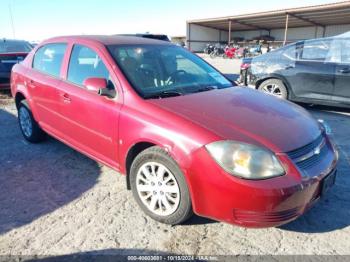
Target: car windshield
[[8, 46], [166, 70]]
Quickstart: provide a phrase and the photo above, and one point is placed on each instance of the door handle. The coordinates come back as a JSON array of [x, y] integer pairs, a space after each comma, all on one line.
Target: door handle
[[289, 67], [344, 70], [66, 98]]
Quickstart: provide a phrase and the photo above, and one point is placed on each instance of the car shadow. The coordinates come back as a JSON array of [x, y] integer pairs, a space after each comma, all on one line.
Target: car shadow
[[333, 211], [330, 109], [37, 179], [197, 220]]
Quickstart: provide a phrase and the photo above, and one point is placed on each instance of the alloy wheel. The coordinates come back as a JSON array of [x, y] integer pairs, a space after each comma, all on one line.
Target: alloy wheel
[[272, 89], [158, 188], [25, 121]]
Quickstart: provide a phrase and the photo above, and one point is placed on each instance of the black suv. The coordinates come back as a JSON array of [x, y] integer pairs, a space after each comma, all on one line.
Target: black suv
[[313, 71]]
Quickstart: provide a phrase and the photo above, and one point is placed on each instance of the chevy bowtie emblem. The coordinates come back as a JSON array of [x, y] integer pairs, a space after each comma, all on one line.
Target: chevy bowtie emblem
[[317, 150]]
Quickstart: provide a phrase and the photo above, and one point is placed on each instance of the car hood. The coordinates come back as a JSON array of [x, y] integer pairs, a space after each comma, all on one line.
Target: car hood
[[247, 115]]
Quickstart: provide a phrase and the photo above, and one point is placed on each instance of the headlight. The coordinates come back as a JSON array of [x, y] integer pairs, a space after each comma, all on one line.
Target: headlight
[[245, 160]]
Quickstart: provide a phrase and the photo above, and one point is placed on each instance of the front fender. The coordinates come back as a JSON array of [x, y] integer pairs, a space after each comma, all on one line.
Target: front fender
[[179, 137], [178, 145]]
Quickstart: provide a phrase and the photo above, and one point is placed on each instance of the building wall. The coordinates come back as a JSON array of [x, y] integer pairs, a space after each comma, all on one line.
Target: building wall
[[336, 29], [204, 35], [295, 34]]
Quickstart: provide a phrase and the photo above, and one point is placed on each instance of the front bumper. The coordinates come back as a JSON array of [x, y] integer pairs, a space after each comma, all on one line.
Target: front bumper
[[263, 203]]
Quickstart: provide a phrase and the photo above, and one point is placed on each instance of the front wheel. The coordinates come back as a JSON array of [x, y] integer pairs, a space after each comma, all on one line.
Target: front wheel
[[159, 187], [274, 87]]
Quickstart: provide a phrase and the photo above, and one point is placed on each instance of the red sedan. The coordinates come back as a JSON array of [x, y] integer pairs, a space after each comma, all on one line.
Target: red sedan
[[186, 139]]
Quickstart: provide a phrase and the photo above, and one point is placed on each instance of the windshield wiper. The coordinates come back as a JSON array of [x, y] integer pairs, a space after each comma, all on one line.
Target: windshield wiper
[[164, 94], [206, 88]]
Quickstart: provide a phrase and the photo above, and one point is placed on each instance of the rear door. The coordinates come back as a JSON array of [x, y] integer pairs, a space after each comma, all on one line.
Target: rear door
[[44, 78], [314, 78], [342, 74], [90, 121]]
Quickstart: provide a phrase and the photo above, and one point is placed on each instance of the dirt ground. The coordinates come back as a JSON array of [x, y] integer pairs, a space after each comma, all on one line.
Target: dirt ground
[[55, 201]]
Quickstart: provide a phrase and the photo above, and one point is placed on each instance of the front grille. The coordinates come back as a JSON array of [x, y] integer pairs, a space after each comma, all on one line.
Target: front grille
[[313, 160], [306, 157], [305, 149]]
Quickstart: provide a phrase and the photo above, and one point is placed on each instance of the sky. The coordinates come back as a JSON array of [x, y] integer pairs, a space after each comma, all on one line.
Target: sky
[[36, 20]]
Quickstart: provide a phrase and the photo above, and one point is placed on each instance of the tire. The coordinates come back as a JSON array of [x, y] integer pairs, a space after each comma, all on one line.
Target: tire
[[274, 87], [29, 127], [213, 55], [175, 207]]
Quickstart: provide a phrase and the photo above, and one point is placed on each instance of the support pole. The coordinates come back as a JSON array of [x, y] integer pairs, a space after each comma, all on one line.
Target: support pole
[[12, 24], [229, 32], [316, 31], [189, 36], [286, 30]]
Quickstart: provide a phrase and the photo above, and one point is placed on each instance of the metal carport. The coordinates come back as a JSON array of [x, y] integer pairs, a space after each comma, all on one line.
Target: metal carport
[[319, 19]]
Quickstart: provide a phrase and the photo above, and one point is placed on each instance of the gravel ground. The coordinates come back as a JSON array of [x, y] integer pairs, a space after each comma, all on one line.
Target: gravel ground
[[225, 66], [55, 201]]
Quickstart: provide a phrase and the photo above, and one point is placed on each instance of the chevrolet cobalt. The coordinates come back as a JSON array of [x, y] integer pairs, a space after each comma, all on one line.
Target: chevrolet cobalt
[[186, 139]]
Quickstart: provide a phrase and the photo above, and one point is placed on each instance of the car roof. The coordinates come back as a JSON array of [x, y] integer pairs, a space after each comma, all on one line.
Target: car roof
[[12, 40], [109, 39]]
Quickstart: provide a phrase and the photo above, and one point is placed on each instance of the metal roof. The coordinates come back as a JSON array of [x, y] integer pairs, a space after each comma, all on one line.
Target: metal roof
[[319, 15]]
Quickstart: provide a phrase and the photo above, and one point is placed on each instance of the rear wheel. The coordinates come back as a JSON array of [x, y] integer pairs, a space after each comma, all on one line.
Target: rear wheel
[[274, 87], [29, 127], [159, 187]]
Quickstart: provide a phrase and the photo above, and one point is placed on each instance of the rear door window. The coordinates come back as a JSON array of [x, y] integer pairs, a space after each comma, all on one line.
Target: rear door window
[[48, 58], [85, 63], [316, 50]]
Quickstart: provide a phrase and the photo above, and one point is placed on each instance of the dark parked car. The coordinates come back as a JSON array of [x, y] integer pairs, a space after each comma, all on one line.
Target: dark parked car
[[314, 71], [11, 52]]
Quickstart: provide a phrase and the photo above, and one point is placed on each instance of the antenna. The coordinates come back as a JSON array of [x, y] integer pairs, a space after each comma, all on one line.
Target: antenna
[[12, 24]]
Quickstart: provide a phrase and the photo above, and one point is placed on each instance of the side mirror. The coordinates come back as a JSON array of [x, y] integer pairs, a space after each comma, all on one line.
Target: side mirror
[[95, 84], [99, 86]]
